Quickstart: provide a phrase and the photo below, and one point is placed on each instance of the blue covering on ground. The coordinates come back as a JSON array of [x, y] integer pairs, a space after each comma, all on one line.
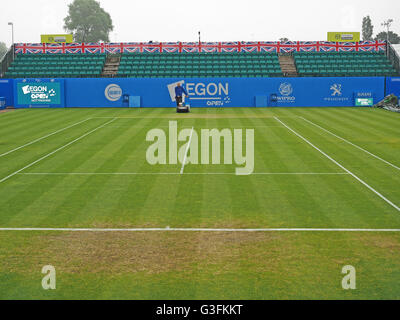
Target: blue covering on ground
[[393, 86]]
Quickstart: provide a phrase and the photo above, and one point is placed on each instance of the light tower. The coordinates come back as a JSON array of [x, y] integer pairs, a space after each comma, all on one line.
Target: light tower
[[387, 23], [12, 36]]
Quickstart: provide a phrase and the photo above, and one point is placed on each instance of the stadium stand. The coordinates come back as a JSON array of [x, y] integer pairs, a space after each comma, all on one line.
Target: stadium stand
[[170, 60], [343, 64], [56, 65], [157, 65]]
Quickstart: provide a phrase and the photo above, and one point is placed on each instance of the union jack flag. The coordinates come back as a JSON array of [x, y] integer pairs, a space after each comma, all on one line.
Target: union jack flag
[[193, 47]]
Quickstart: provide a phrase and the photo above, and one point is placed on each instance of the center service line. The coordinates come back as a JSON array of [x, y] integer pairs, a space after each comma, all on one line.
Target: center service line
[[53, 152], [338, 164], [187, 150]]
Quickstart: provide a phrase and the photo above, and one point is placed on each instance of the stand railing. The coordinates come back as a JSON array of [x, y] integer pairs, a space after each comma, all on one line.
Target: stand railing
[[393, 57], [6, 61]]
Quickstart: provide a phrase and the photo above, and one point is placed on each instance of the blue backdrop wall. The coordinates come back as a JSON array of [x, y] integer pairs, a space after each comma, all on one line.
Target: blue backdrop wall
[[224, 92], [203, 92], [7, 91]]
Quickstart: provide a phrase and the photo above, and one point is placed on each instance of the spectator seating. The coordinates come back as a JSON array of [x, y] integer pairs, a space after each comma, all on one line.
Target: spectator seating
[[343, 64], [156, 65], [56, 66]]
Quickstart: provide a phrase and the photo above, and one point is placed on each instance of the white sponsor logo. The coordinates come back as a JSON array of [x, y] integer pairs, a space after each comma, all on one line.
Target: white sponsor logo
[[113, 92], [26, 90], [336, 89], [336, 94], [286, 89], [347, 37], [38, 92], [364, 94]]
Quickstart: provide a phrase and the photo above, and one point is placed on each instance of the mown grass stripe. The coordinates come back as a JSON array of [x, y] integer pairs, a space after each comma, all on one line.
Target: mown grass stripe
[[369, 124], [354, 145], [53, 152], [101, 203], [338, 164], [43, 137], [377, 142], [280, 147]]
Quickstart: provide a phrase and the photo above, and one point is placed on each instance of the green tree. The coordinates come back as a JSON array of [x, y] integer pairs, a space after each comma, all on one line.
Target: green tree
[[88, 21], [3, 50], [367, 29], [394, 38]]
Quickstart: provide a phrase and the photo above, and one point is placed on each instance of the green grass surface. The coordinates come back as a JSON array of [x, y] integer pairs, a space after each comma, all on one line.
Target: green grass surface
[[199, 265]]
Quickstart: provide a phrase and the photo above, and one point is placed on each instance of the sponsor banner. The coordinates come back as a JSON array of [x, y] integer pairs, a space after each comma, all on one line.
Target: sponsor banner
[[344, 36], [39, 92], [224, 92], [56, 38], [203, 92], [364, 102]]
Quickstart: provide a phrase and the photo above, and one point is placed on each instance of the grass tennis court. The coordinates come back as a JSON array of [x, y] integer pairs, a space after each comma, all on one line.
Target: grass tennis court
[[315, 168]]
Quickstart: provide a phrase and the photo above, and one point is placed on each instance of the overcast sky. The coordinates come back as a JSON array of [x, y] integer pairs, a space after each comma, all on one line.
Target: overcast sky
[[218, 20]]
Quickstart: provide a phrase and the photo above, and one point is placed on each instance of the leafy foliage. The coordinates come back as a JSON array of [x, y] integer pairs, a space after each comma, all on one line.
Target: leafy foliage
[[367, 29], [394, 38], [88, 21], [3, 49]]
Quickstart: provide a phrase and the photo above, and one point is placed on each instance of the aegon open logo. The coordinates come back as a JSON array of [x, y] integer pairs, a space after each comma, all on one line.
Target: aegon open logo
[[34, 89], [113, 92], [214, 94], [210, 90], [38, 92]]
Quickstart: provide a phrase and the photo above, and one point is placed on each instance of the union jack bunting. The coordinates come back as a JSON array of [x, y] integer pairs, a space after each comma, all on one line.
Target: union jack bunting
[[193, 47]]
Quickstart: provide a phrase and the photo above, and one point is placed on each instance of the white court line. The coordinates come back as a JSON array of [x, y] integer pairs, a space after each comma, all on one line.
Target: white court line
[[172, 173], [53, 152], [339, 165], [187, 150], [185, 127], [41, 138], [201, 230], [354, 145], [201, 116]]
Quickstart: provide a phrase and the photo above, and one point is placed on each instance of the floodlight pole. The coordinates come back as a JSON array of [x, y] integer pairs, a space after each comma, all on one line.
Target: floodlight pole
[[387, 24], [12, 36], [199, 38]]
